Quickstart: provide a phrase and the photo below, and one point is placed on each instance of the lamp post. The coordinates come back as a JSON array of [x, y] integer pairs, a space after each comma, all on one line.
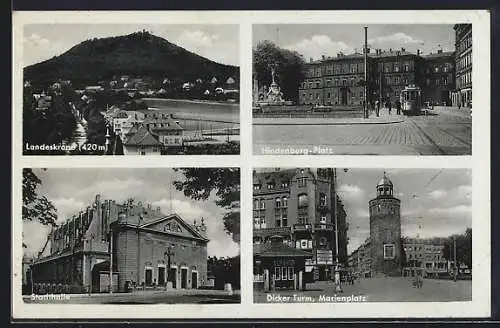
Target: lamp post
[[111, 261], [455, 271], [366, 73], [338, 287], [169, 253]]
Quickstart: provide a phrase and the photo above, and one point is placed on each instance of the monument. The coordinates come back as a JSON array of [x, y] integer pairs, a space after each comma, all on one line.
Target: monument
[[272, 96]]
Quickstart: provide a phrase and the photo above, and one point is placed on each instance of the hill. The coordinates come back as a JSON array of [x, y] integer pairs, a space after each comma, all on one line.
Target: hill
[[137, 54]]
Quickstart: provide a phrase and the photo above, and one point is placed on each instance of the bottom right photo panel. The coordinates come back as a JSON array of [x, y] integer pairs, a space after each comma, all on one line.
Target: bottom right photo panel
[[336, 235]]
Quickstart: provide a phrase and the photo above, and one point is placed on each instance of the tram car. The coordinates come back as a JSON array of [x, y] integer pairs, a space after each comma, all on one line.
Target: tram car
[[411, 100]]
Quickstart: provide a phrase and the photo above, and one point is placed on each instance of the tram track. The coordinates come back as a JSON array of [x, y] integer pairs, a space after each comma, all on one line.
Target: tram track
[[428, 138]]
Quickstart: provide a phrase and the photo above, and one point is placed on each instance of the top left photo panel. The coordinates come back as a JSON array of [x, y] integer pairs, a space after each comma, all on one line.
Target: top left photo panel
[[130, 89]]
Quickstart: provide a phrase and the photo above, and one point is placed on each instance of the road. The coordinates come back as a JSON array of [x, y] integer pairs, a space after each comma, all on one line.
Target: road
[[444, 131], [390, 289], [144, 297]]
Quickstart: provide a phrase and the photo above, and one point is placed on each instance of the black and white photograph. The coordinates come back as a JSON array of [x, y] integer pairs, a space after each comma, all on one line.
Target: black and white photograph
[[131, 236], [128, 89], [349, 235], [376, 89]]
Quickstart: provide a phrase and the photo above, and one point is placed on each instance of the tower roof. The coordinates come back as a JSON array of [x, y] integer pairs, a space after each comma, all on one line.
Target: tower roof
[[385, 181]]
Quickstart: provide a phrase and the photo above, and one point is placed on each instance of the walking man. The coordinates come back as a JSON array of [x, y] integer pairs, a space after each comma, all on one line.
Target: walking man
[[398, 107], [389, 105], [377, 107]]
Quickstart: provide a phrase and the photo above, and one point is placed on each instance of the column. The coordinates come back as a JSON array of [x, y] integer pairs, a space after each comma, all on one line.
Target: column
[[301, 277], [266, 280]]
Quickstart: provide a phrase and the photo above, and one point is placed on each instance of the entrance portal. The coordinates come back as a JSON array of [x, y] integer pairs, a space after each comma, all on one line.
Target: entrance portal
[[343, 96], [148, 276], [194, 280], [173, 277], [184, 277], [161, 275]]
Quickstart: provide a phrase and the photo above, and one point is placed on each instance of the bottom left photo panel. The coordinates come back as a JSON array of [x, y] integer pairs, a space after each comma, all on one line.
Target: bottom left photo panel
[[131, 236]]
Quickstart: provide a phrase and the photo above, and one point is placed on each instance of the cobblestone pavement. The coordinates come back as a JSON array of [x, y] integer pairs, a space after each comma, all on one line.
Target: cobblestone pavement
[[390, 289], [442, 132]]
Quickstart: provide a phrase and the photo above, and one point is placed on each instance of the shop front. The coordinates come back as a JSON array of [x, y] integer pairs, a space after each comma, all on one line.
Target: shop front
[[278, 266]]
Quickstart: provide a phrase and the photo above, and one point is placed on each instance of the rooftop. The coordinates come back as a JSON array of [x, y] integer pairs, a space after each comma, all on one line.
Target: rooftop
[[142, 138]]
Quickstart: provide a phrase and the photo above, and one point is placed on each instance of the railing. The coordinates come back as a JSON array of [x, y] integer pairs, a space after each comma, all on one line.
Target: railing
[[324, 226], [302, 227]]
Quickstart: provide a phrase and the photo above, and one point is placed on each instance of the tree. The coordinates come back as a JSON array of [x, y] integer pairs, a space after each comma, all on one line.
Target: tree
[[199, 183], [288, 66], [463, 248], [35, 207]]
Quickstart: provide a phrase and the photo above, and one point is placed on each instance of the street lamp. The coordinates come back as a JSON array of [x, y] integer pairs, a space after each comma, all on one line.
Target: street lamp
[[338, 287], [366, 73], [169, 253]]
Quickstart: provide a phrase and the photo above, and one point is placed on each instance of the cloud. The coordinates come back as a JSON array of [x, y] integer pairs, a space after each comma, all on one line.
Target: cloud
[[397, 39], [351, 192], [456, 210], [438, 194], [66, 207], [319, 45], [36, 40], [196, 39], [185, 209]]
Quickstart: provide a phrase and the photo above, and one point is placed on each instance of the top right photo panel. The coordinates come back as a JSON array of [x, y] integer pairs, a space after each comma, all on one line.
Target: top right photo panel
[[343, 89]]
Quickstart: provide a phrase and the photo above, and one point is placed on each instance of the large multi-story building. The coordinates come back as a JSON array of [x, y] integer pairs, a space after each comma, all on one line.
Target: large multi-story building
[[339, 81], [360, 260], [299, 205], [425, 255], [143, 247], [463, 63]]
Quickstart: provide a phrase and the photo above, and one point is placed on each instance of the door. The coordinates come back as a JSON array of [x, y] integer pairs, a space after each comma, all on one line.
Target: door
[[184, 277], [161, 276], [173, 277], [149, 277], [343, 96], [194, 279]]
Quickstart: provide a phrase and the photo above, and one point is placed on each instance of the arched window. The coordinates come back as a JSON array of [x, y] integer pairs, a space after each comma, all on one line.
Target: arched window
[[278, 202], [262, 204], [285, 202], [303, 200]]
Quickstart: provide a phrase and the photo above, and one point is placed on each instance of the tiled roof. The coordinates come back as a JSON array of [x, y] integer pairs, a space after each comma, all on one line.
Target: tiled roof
[[142, 138]]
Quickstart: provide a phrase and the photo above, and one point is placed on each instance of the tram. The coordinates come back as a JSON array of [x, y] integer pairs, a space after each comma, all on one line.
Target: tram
[[411, 100]]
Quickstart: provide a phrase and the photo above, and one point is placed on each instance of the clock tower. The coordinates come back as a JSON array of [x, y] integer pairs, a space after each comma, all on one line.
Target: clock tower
[[385, 230]]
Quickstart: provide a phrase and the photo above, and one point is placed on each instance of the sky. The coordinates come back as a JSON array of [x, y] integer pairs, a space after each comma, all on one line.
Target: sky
[[315, 40], [71, 190], [216, 42], [434, 202]]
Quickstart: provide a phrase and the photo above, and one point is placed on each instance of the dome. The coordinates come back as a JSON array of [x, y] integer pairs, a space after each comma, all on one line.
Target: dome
[[384, 181]]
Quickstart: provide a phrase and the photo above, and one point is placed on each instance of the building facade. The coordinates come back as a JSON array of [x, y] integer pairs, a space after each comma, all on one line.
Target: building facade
[[360, 261], [426, 256], [339, 81], [147, 249], [298, 205], [463, 62], [385, 231]]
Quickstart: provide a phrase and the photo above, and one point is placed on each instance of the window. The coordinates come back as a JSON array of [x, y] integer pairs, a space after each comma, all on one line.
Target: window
[[284, 273], [285, 202], [302, 182], [303, 243], [270, 186], [396, 68], [256, 187], [436, 69], [322, 199], [323, 242], [278, 202], [389, 251], [256, 204], [322, 219], [277, 273], [284, 221], [291, 273], [262, 204], [303, 200]]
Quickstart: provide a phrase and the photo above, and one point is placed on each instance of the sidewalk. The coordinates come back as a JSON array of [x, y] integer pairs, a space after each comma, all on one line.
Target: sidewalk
[[382, 119]]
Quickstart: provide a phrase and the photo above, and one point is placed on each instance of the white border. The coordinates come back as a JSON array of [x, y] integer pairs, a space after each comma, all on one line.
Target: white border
[[479, 163]]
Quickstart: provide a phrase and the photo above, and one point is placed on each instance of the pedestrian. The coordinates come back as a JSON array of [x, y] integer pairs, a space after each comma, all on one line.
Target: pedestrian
[[377, 107], [459, 105], [398, 107], [389, 105]]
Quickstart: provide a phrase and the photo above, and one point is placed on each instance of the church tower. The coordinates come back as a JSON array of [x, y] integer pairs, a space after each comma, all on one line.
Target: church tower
[[385, 230]]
